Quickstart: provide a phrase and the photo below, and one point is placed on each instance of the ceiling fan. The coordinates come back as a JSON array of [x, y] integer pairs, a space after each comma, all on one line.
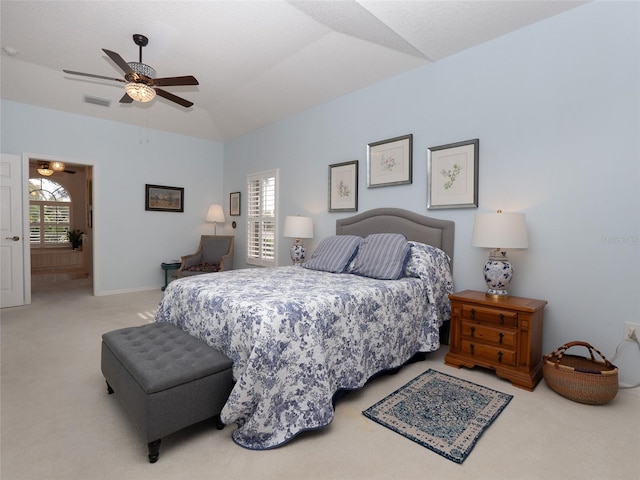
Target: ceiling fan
[[46, 169], [139, 79]]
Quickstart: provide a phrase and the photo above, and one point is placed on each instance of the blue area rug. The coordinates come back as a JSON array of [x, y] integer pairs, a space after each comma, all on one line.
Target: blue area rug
[[443, 413]]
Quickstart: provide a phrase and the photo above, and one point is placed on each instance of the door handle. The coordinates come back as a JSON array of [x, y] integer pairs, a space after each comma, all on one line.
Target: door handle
[[15, 238]]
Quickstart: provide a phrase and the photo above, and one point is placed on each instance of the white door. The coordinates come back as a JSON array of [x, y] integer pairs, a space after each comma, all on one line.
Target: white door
[[11, 229]]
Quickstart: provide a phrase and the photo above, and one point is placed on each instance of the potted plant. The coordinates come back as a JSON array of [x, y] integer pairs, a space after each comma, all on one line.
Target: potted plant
[[75, 237]]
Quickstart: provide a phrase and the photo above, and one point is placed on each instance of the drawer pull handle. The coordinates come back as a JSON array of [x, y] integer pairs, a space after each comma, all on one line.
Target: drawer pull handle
[[500, 335], [471, 347], [500, 357], [501, 319], [473, 331], [473, 314]]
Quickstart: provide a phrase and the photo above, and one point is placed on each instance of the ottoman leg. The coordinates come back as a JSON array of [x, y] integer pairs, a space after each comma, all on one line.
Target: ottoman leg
[[219, 422], [154, 450], [109, 389]]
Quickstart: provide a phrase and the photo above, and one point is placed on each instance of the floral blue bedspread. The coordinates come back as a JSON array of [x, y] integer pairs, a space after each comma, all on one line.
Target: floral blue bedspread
[[297, 336]]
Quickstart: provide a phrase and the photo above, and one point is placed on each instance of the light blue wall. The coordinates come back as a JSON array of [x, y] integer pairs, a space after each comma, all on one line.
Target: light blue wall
[[556, 108], [129, 242]]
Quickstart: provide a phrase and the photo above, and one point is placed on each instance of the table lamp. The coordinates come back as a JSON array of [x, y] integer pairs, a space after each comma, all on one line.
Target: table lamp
[[497, 231], [215, 215], [298, 228]]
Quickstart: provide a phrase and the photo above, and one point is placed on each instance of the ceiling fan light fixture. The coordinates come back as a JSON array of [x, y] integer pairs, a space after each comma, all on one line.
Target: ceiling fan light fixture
[[45, 171], [140, 79], [57, 166], [140, 92]]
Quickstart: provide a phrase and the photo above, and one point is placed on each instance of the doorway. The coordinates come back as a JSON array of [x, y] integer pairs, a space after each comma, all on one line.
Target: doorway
[[60, 200]]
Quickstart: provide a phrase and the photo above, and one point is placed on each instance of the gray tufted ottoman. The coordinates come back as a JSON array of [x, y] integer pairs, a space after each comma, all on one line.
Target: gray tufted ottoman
[[165, 378]]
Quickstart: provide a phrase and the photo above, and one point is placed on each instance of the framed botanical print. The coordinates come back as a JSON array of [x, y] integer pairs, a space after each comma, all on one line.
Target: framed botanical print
[[343, 187], [389, 162], [452, 175], [234, 204]]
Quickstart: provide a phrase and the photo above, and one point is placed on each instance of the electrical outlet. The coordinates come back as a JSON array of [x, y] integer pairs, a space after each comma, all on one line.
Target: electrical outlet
[[631, 327]]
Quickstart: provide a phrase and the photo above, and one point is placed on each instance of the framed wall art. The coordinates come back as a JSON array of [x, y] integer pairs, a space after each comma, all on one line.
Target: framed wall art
[[390, 162], [164, 199], [452, 175], [234, 204], [343, 187]]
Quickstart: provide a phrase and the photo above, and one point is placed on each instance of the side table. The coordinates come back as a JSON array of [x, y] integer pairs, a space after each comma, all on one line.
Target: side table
[[501, 334], [167, 267]]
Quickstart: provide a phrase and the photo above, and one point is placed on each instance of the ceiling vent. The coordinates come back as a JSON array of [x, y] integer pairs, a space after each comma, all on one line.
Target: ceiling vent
[[103, 102]]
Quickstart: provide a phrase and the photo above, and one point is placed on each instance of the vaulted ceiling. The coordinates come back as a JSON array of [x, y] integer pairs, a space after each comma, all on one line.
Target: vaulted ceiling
[[256, 61]]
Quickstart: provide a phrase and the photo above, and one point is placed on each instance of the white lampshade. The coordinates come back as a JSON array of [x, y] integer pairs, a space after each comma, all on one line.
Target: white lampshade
[[215, 214], [298, 227], [500, 230]]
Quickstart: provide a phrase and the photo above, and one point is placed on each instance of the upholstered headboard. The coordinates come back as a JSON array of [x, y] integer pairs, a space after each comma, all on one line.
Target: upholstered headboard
[[433, 231]]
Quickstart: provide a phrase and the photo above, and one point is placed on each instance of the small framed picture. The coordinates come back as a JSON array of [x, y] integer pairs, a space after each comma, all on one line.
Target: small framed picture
[[164, 199], [343, 187], [234, 204], [390, 162], [452, 175]]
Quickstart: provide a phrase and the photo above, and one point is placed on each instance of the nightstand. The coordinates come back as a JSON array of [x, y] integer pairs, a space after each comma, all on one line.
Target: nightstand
[[501, 334]]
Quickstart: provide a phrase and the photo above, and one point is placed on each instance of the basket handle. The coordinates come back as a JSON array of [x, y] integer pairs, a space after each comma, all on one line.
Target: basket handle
[[560, 351]]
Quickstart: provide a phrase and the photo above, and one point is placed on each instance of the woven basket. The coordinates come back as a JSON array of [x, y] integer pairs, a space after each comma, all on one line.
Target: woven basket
[[584, 380]]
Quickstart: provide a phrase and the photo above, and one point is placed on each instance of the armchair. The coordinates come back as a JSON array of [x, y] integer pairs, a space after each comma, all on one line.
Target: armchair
[[215, 254]]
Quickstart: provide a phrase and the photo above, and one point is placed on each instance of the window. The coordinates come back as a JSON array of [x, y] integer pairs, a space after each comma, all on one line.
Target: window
[[49, 213], [262, 218]]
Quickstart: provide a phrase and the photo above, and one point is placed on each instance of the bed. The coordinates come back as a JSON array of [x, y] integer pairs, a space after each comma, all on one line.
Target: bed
[[298, 335]]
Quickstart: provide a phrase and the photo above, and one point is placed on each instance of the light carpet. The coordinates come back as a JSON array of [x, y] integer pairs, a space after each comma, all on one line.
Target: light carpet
[[442, 413]]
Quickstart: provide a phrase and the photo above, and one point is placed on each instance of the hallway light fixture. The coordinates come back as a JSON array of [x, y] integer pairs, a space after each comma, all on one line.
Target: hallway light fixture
[[45, 170], [57, 166]]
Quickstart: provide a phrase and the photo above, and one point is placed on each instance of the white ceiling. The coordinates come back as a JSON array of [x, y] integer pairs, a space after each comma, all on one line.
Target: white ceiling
[[256, 61]]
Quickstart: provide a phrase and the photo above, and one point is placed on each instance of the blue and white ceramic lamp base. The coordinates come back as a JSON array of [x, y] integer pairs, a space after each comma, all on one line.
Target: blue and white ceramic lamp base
[[498, 273], [298, 253]]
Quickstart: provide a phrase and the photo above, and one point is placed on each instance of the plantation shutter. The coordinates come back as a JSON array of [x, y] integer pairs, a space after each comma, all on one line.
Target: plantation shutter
[[49, 223], [261, 218], [49, 213]]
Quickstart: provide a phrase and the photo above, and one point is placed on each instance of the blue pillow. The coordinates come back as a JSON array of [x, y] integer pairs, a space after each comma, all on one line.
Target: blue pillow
[[334, 253], [382, 256]]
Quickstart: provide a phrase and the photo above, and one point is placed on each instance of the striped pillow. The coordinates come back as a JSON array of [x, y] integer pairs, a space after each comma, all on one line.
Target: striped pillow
[[382, 256], [334, 253]]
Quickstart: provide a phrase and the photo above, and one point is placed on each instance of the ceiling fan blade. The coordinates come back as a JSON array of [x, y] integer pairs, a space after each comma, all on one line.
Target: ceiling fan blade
[[173, 98], [118, 61], [71, 72], [174, 81], [126, 99]]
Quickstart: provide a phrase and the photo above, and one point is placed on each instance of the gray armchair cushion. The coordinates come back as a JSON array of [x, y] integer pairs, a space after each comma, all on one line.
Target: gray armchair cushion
[[214, 254]]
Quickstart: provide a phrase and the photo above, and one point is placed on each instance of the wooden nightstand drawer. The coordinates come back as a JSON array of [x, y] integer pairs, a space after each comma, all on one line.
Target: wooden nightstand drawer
[[501, 336], [498, 355], [489, 315]]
